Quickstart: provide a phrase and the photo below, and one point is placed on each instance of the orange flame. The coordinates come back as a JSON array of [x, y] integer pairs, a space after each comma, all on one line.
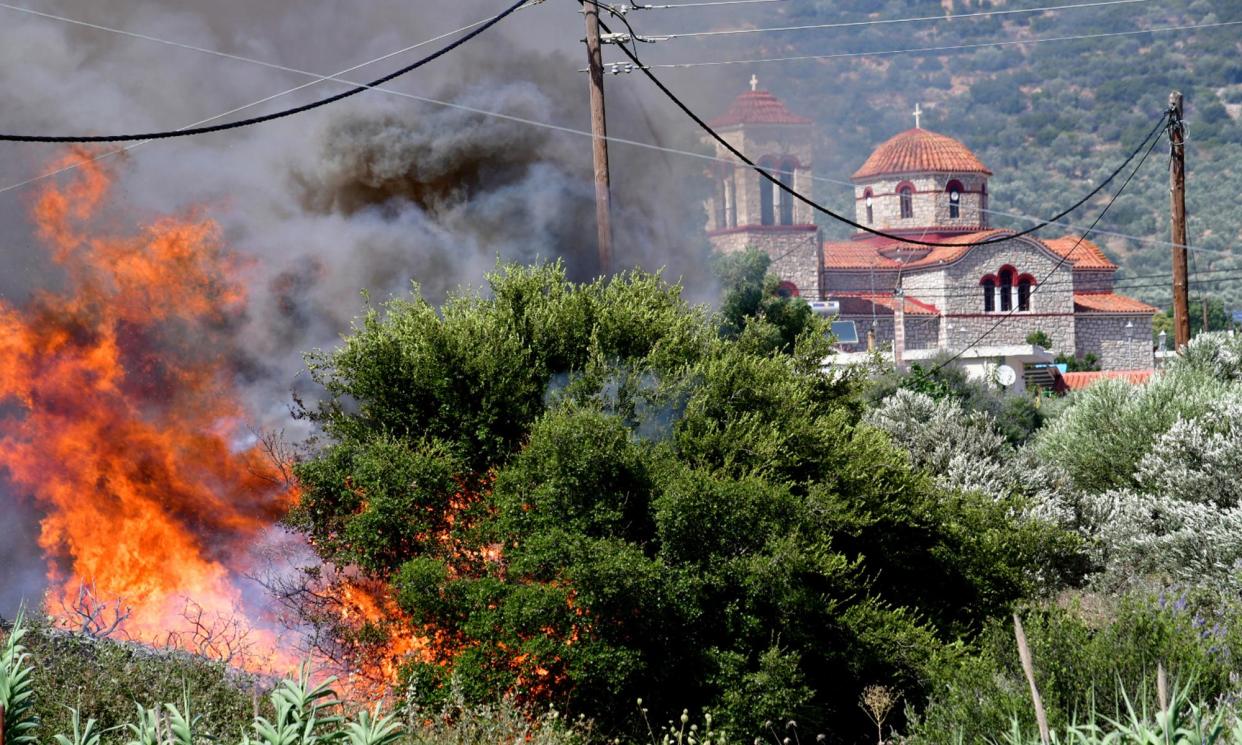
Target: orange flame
[[120, 415]]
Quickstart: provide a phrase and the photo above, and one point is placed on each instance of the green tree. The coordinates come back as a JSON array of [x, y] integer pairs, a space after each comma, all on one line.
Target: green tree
[[649, 502]]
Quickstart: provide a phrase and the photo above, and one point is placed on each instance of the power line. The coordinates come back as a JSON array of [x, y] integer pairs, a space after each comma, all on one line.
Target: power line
[[710, 3], [336, 77], [1060, 263], [947, 48], [889, 21], [842, 218], [185, 132]]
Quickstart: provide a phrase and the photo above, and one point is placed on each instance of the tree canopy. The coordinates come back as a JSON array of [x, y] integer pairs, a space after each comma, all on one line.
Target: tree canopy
[[592, 493]]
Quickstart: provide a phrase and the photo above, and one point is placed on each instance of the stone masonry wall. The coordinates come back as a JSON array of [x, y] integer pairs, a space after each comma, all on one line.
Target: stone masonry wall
[[1090, 280], [1106, 336], [795, 252], [757, 142], [930, 202], [882, 281], [922, 332]]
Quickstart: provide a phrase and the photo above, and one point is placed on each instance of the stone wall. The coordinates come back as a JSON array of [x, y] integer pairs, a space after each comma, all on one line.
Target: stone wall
[[880, 281], [1118, 348], [922, 332], [930, 202], [964, 331], [965, 296], [1094, 280], [795, 252], [759, 141]]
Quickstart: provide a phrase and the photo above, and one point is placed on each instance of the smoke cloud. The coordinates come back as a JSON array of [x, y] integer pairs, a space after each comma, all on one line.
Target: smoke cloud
[[374, 194]]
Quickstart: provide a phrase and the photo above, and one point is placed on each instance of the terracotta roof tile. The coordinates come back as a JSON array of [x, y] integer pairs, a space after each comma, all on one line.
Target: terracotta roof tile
[[1107, 302], [882, 253], [1076, 381], [1086, 256], [865, 303], [920, 151], [757, 107]]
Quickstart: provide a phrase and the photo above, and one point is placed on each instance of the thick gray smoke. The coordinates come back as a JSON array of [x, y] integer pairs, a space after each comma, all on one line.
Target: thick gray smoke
[[371, 194]]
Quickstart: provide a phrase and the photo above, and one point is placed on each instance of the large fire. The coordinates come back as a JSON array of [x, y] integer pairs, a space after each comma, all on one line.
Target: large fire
[[119, 415]]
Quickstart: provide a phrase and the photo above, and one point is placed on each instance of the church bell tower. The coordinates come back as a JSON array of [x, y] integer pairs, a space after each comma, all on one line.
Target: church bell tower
[[746, 210]]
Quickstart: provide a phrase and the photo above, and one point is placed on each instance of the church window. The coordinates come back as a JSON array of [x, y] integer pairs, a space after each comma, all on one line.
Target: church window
[[767, 195], [989, 293], [983, 204], [1006, 288], [954, 190], [867, 202], [731, 202], [1025, 282], [906, 194], [787, 289], [787, 177]]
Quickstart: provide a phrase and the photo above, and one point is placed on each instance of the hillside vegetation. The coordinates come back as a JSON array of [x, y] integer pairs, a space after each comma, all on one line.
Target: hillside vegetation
[[1049, 119]]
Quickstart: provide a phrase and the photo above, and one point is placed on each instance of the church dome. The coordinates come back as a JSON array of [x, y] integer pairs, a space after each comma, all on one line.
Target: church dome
[[757, 107], [920, 151]]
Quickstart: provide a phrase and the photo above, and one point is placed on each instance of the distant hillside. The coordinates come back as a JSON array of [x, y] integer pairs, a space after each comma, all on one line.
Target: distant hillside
[[1047, 118]]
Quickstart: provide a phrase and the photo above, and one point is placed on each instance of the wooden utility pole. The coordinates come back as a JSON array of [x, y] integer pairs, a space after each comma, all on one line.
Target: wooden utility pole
[[1177, 185], [599, 131]]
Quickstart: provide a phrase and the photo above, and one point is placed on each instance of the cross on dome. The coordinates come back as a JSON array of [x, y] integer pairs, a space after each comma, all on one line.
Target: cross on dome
[[918, 112], [754, 82]]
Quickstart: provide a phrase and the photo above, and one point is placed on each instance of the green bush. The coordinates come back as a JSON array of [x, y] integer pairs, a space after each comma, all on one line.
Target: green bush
[[1091, 657], [664, 505]]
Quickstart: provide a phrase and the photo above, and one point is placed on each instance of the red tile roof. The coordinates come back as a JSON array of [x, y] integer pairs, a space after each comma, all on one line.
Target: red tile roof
[[1076, 381], [867, 303], [1087, 255], [920, 151], [877, 252], [1107, 302], [757, 107]]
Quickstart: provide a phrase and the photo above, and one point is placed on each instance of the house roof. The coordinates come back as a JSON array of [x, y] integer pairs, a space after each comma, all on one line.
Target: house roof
[[869, 303], [1086, 255], [920, 151], [878, 252], [1076, 381], [757, 107], [1108, 302]]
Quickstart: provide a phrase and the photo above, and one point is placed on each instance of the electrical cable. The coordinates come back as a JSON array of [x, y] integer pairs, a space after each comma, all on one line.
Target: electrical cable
[[1060, 263], [947, 48], [317, 79], [889, 21], [842, 218], [279, 114], [708, 3], [484, 112]]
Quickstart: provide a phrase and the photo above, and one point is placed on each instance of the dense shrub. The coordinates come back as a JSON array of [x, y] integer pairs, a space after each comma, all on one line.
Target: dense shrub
[[654, 502]]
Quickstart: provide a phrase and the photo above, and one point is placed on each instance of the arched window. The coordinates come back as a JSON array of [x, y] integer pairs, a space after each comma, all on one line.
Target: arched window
[[954, 190], [906, 194], [867, 199], [731, 201], [767, 194], [989, 293], [787, 178], [983, 204], [787, 289], [1005, 275], [1025, 283]]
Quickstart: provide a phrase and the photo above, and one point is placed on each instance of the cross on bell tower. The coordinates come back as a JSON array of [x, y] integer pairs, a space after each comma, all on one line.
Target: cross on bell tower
[[754, 82], [918, 112]]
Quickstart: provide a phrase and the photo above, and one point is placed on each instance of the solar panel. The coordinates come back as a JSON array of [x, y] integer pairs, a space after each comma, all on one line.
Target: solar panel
[[845, 332]]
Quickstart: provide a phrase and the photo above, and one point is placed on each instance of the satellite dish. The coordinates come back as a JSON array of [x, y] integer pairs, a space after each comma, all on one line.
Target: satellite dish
[[1006, 375]]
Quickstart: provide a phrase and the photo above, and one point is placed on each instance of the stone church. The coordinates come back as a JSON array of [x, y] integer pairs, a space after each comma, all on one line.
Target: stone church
[[928, 186]]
